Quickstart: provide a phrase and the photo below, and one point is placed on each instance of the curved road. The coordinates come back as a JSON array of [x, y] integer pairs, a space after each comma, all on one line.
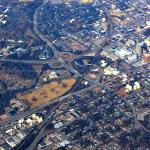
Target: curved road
[[70, 69]]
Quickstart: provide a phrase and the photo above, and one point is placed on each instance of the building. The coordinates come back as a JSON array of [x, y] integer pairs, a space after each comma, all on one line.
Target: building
[[86, 1], [146, 58], [138, 49], [52, 75]]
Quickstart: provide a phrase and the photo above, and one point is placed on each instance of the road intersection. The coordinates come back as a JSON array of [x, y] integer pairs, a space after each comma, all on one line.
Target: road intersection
[[67, 65]]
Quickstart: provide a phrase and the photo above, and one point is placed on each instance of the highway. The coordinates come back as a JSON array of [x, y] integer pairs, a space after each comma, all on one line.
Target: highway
[[68, 67], [30, 111], [57, 54], [41, 134], [26, 61]]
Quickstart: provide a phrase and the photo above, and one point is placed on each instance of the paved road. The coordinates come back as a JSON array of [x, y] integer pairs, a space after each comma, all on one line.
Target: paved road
[[70, 69], [26, 61], [57, 54], [41, 132], [135, 115], [30, 111]]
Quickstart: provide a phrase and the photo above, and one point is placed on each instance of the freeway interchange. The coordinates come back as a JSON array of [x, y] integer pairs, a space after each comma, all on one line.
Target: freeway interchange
[[57, 55], [67, 66]]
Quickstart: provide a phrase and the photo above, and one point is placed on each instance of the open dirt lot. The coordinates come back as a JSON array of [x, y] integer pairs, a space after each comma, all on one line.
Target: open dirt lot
[[47, 92]]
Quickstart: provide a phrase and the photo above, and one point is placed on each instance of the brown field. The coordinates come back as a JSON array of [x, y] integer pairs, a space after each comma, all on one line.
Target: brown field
[[122, 93], [47, 92]]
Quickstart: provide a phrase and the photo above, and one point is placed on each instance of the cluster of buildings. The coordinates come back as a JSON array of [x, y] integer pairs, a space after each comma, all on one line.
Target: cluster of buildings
[[98, 118], [18, 40], [50, 75], [14, 133], [53, 141], [19, 49], [86, 121], [76, 25], [3, 16]]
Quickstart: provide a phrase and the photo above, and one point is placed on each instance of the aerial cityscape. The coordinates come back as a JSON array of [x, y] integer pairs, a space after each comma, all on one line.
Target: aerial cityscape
[[74, 74]]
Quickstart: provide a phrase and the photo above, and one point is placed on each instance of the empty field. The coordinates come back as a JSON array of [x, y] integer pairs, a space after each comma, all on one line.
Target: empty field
[[47, 92]]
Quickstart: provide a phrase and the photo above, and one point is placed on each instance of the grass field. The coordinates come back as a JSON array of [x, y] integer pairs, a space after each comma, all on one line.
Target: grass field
[[47, 92], [37, 68]]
